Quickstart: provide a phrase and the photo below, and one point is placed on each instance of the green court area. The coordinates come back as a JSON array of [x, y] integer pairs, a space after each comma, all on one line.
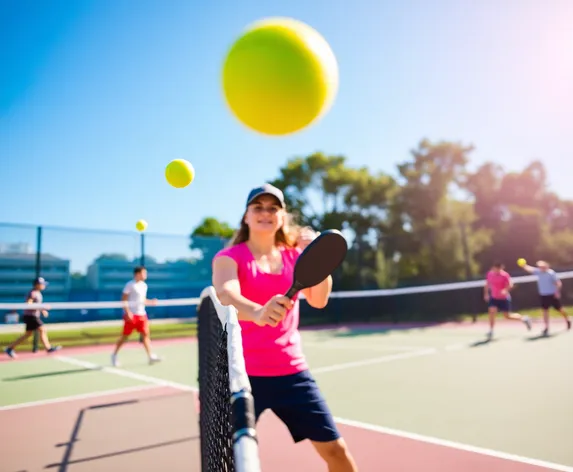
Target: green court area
[[510, 397]]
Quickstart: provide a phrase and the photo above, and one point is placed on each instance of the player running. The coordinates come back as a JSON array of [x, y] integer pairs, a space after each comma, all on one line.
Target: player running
[[496, 290], [549, 288], [249, 274], [33, 320], [135, 300]]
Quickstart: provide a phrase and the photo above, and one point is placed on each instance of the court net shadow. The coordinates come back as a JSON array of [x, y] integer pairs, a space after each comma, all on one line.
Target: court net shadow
[[146, 434]]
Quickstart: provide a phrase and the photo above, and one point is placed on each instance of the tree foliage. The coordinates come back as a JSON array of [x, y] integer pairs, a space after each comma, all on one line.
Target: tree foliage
[[432, 221], [211, 226], [206, 240]]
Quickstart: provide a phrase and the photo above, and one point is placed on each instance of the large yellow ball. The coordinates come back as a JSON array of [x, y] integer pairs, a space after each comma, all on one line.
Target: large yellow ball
[[141, 225], [280, 76], [179, 173]]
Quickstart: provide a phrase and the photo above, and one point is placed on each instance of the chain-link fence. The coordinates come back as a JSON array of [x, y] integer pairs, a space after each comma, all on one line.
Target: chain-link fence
[[95, 265]]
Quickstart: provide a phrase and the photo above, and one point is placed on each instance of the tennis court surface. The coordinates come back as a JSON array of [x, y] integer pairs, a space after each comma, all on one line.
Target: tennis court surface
[[411, 399]]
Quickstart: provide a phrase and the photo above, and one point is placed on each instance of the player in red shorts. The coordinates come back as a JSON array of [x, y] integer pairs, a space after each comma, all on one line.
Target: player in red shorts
[[135, 300]]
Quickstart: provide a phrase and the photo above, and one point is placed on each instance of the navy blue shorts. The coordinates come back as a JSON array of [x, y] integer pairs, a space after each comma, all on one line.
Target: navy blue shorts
[[298, 402], [503, 305], [32, 322]]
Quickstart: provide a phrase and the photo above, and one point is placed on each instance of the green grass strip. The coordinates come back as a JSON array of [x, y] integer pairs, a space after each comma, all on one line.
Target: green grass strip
[[95, 335]]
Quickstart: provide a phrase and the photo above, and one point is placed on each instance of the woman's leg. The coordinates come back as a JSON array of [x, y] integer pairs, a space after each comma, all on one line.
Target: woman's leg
[[336, 455]]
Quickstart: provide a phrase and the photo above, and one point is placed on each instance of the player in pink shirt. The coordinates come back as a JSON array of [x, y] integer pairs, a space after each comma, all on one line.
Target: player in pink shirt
[[497, 286], [252, 274]]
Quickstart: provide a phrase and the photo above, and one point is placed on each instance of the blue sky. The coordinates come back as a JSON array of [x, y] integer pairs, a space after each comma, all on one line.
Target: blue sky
[[96, 97]]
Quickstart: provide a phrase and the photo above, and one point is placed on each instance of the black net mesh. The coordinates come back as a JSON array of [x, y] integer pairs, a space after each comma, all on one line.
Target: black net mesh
[[214, 393]]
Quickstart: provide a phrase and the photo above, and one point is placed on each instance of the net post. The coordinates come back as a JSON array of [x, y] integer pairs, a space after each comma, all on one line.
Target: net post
[[38, 271], [142, 249], [245, 449], [226, 413]]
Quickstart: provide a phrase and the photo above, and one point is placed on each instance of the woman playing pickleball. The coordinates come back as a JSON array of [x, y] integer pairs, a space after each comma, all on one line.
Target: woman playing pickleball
[[253, 274]]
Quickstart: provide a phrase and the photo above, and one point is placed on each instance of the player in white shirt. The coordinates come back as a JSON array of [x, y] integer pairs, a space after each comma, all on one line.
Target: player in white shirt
[[135, 300]]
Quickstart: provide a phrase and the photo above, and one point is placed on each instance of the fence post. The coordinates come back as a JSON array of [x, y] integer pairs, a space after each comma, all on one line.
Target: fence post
[[38, 271], [142, 246], [142, 263]]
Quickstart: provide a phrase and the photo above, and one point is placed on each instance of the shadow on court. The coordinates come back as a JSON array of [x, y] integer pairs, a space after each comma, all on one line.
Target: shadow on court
[[157, 429], [482, 342], [47, 374], [363, 331], [541, 336], [118, 435]]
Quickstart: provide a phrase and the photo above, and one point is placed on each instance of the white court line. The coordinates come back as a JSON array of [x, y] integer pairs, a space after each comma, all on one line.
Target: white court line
[[80, 396], [454, 445], [375, 360], [126, 373], [362, 347], [357, 424], [409, 354]]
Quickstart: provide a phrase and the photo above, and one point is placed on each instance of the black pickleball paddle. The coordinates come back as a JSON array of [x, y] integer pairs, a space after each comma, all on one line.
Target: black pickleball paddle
[[319, 260]]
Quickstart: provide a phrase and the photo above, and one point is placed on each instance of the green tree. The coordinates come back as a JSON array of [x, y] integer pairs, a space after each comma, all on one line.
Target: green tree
[[324, 192], [427, 228], [557, 248], [112, 256], [523, 216], [211, 226], [78, 280], [209, 237]]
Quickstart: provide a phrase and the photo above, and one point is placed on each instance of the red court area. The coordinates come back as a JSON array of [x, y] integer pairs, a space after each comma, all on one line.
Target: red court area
[[156, 429]]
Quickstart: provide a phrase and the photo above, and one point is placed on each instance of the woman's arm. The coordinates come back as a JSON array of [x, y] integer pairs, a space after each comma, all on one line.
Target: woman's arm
[[226, 283], [317, 296], [228, 291]]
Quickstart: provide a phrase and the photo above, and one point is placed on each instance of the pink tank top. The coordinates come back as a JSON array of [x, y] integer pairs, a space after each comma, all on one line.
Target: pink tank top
[[268, 351], [497, 283]]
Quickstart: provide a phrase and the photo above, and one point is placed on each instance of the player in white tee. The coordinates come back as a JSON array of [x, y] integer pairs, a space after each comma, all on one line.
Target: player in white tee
[[135, 300]]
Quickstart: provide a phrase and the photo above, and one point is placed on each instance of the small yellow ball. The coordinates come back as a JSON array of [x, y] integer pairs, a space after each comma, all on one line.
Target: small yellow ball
[[521, 262], [141, 225], [179, 173]]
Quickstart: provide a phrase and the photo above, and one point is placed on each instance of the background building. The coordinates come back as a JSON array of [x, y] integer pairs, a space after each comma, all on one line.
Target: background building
[[18, 270]]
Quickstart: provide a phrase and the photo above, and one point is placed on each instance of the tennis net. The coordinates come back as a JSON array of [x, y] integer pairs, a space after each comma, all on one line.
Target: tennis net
[[101, 311], [96, 322], [430, 303], [226, 406]]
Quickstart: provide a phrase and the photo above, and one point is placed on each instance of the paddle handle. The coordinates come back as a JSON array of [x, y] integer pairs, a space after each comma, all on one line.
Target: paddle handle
[[295, 288]]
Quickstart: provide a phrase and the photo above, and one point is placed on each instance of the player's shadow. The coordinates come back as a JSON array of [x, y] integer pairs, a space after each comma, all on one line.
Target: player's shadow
[[67, 460], [541, 336], [46, 374], [482, 342]]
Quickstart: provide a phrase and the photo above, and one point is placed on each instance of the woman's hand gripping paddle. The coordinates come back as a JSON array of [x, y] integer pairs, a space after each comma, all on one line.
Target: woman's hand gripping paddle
[[319, 260]]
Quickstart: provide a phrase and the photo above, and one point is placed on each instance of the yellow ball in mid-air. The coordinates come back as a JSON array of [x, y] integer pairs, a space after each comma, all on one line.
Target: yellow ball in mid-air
[[521, 262], [280, 76], [141, 225], [179, 173]]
